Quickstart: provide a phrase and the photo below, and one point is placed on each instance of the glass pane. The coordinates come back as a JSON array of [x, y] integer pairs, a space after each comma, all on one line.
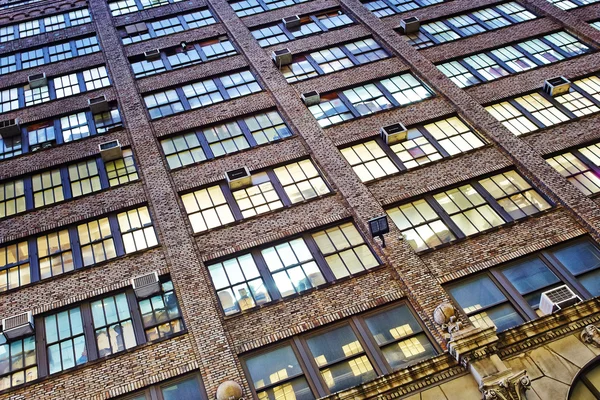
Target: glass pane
[[503, 317], [591, 281], [297, 389], [188, 389], [579, 257], [407, 351], [581, 392], [477, 293], [348, 373], [334, 345], [530, 275], [392, 325], [273, 366]]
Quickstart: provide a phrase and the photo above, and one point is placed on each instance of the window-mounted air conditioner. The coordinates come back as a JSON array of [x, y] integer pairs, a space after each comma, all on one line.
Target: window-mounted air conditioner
[[147, 285], [311, 98], [410, 25], [153, 54], [98, 104], [557, 86], [393, 133], [291, 22], [37, 80], [110, 151], [238, 178], [557, 299], [17, 326], [10, 127], [282, 57]]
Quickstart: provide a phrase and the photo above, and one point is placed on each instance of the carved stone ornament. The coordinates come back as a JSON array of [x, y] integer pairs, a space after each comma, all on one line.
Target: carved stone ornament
[[591, 335], [445, 316], [509, 388], [230, 390]]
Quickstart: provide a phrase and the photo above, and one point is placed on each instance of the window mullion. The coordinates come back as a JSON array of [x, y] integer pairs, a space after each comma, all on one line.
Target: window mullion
[[454, 28], [557, 104], [348, 104], [285, 31], [102, 174], [528, 55], [184, 101], [585, 94], [204, 144], [491, 201], [278, 188], [314, 64], [390, 153], [316, 20], [349, 54], [371, 350], [318, 257], [500, 62], [75, 247], [526, 113], [444, 217], [266, 276], [433, 141], [136, 318], [233, 206], [165, 60], [562, 272], [595, 169], [221, 88], [88, 332], [507, 16], [40, 347], [555, 47], [116, 234], [247, 133], [387, 94], [472, 70], [34, 264], [481, 23], [513, 295], [310, 368], [28, 189], [66, 183]]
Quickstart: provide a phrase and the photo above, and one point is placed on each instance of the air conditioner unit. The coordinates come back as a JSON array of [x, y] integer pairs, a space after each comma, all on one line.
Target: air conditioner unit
[[98, 104], [17, 326], [37, 80], [282, 57], [557, 86], [238, 178], [393, 133], [152, 54], [10, 127], [410, 25], [147, 285], [557, 299], [311, 98], [110, 151], [140, 27], [291, 22]]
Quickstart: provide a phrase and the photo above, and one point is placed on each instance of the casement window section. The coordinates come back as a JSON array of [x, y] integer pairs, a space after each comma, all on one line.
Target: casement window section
[[122, 7], [570, 4], [188, 387], [581, 167], [244, 8], [88, 331], [461, 26], [309, 25], [74, 247], [508, 295], [332, 59], [383, 8], [226, 138], [467, 209], [290, 267], [45, 134], [66, 182], [424, 144], [44, 25], [518, 57], [56, 88], [271, 189], [538, 110], [396, 91], [166, 26], [182, 56], [48, 54], [340, 355], [201, 94]]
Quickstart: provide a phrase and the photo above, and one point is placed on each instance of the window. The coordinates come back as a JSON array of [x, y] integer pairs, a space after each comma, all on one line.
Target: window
[[183, 150], [269, 190], [29, 28], [461, 26], [47, 188], [12, 198], [87, 45], [96, 240], [79, 17], [10, 146], [32, 58], [54, 22], [369, 161], [137, 230], [160, 313], [65, 340], [267, 127], [9, 100], [466, 210], [309, 25], [290, 267], [384, 8], [244, 8], [96, 78], [113, 326], [8, 64], [333, 59], [84, 178], [74, 127], [188, 388], [18, 361], [529, 54], [509, 294], [47, 24], [107, 121], [201, 94], [580, 167], [199, 18], [55, 254], [585, 384], [35, 96], [166, 26], [397, 91], [59, 52], [14, 266], [128, 6], [122, 170], [338, 357]]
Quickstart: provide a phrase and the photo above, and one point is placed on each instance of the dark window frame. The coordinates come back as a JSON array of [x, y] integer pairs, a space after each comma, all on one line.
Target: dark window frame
[[40, 21]]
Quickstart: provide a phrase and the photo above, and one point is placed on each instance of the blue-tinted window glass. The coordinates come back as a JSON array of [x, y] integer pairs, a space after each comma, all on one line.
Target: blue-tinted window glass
[[531, 278], [188, 389]]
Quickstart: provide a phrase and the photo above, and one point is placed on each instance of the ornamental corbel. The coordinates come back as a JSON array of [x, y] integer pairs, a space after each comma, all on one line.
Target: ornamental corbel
[[591, 335], [510, 388]]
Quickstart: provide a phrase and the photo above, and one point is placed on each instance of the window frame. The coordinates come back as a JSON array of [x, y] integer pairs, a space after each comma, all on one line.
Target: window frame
[[154, 392], [41, 23], [137, 4], [576, 152], [396, 10]]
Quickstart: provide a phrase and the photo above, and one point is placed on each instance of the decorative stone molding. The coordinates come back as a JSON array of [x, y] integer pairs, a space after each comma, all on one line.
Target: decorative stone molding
[[591, 335], [445, 316], [511, 387]]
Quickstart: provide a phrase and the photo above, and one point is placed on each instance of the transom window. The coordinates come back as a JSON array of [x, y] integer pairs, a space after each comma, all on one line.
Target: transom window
[[397, 91], [341, 356], [467, 210], [333, 59], [291, 267], [465, 25], [534, 53], [201, 94], [581, 167], [283, 186], [422, 145], [508, 295]]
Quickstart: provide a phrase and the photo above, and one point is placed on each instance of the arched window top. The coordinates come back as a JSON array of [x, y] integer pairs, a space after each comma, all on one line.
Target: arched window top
[[586, 385]]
